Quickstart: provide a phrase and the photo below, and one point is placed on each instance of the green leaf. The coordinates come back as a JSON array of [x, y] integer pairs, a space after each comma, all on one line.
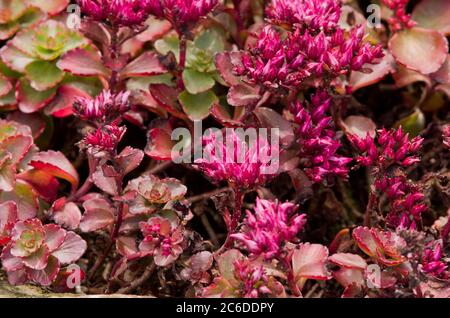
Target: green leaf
[[197, 106], [413, 124], [168, 44], [197, 82], [43, 75], [210, 40]]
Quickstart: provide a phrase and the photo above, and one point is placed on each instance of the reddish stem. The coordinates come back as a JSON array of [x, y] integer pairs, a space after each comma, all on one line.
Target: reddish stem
[[182, 59]]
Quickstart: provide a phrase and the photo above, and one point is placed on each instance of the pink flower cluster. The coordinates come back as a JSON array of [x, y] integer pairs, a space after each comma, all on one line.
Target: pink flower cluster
[[304, 55], [117, 12], [311, 14], [106, 107], [254, 279], [162, 239], [317, 139], [405, 201], [400, 19], [271, 226], [433, 262], [105, 138], [243, 165], [395, 148], [183, 14]]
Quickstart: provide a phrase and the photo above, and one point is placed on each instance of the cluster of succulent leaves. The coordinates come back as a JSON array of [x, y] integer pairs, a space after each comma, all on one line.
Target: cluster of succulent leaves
[[133, 222]]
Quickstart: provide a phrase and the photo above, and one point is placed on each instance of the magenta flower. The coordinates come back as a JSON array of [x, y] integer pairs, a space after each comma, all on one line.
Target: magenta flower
[[36, 252], [271, 226], [317, 139], [244, 166], [405, 201], [311, 14], [394, 148], [104, 108], [254, 279], [274, 62], [400, 19], [433, 262], [119, 13], [183, 14], [105, 138], [162, 239]]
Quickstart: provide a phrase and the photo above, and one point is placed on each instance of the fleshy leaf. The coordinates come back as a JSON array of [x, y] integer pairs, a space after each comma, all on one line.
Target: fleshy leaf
[[414, 46], [61, 105], [159, 144], [167, 98], [71, 250], [51, 7], [197, 82], [379, 71], [98, 215], [5, 86], [243, 95], [15, 59], [43, 75], [45, 184], [360, 126], [57, 165], [66, 214], [433, 14], [82, 62], [225, 67], [46, 276], [31, 100], [308, 261], [129, 159], [271, 119], [145, 65], [197, 106], [348, 260], [365, 240]]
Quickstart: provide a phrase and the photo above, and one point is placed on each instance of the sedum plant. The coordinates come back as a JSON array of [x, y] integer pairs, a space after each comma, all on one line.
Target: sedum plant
[[127, 164]]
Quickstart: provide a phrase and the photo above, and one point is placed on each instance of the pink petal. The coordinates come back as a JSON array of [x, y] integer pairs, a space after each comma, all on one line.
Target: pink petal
[[71, 250]]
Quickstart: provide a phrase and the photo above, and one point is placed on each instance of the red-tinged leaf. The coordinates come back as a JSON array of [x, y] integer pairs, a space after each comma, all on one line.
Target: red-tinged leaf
[[379, 71], [37, 260], [365, 240], [7, 178], [57, 165], [433, 14], [414, 46], [106, 183], [349, 276], [46, 276], [31, 100], [443, 74], [66, 214], [54, 236], [271, 119], [71, 250], [5, 86], [145, 65], [17, 146], [82, 62], [14, 58], [223, 116], [159, 144], [243, 95], [308, 262], [25, 198], [225, 68], [129, 159], [8, 213], [45, 184], [359, 126], [126, 245], [167, 98], [95, 31], [155, 30], [61, 105], [348, 260], [98, 215], [380, 279], [35, 121], [404, 77], [51, 7], [226, 263]]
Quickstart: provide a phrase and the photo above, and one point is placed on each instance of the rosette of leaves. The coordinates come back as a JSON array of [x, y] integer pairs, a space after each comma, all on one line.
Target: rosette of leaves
[[36, 252], [30, 65], [200, 74], [18, 14]]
